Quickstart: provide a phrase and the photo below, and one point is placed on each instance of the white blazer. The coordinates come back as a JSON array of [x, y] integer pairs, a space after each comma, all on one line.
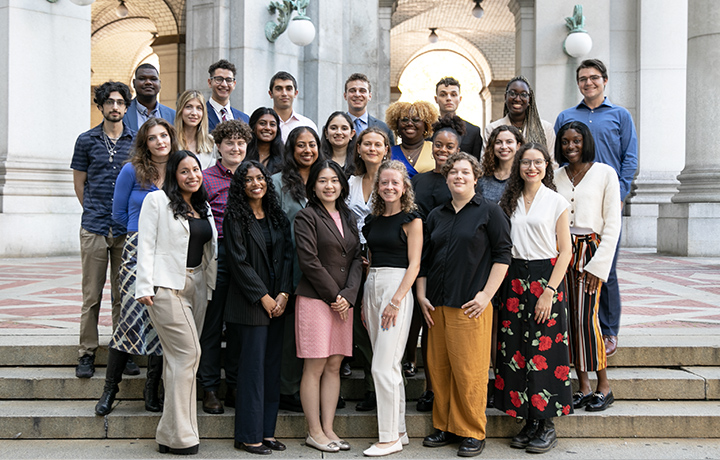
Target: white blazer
[[163, 246]]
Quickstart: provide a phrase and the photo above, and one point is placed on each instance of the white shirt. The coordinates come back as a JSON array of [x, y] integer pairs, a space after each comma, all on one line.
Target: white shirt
[[533, 233], [356, 203], [293, 122], [217, 108]]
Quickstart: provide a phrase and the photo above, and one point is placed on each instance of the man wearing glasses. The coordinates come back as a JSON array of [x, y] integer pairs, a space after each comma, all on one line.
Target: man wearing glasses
[[615, 138], [222, 83], [145, 105], [97, 160]]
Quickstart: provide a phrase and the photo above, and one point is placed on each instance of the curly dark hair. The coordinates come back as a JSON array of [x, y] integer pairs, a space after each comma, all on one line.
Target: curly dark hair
[[515, 185], [231, 129], [326, 148], [360, 167], [222, 64], [277, 148], [340, 203], [171, 188], [490, 162], [451, 123], [140, 156], [238, 206], [455, 157], [292, 181], [588, 151], [102, 92], [407, 200]]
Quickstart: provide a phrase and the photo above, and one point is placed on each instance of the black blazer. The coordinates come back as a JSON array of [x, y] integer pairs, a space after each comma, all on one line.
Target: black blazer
[[472, 141], [249, 265], [331, 265]]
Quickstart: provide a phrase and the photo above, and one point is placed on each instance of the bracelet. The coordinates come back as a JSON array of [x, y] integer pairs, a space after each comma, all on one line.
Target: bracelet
[[551, 288], [396, 307], [285, 294]]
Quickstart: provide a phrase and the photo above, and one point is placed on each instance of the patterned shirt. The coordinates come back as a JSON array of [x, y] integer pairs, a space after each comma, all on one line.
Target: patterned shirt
[[92, 157], [216, 180]]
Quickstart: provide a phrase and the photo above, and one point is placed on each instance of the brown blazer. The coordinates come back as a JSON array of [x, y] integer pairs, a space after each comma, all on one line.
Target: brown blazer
[[331, 265]]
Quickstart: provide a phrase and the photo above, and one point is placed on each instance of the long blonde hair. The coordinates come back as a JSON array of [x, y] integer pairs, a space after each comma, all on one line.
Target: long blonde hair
[[203, 141]]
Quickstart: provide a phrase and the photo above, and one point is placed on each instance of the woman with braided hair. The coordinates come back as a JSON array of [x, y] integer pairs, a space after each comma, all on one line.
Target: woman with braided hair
[[521, 112]]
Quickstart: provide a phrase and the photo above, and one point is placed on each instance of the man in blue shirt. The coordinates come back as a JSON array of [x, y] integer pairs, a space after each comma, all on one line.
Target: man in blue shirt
[[145, 105], [615, 138], [97, 160], [358, 93], [222, 84]]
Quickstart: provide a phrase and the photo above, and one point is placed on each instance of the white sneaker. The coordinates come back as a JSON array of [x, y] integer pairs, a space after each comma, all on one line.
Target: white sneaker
[[404, 440], [375, 451]]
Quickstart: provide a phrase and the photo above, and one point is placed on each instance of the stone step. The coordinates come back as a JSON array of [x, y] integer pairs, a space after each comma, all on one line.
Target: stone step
[[661, 350], [76, 420], [60, 383]]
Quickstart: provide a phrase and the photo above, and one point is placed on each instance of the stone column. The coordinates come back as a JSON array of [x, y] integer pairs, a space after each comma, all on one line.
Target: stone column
[[171, 54], [43, 42], [497, 99], [690, 225]]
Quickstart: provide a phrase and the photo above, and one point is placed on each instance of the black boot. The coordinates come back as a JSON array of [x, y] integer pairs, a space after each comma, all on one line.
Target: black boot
[[153, 403], [522, 439], [545, 438], [113, 377]]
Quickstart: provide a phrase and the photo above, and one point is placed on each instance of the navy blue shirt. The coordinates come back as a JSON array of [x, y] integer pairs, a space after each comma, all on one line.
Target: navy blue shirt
[[91, 156]]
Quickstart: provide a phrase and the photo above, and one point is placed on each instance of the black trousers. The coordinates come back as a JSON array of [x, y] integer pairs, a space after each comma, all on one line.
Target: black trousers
[[258, 379]]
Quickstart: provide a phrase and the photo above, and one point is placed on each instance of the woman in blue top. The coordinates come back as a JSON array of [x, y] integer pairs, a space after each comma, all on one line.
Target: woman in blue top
[[134, 335], [413, 124]]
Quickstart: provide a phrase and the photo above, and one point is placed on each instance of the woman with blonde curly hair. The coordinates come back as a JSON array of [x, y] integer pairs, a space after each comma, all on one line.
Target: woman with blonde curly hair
[[394, 235], [191, 123], [413, 123]]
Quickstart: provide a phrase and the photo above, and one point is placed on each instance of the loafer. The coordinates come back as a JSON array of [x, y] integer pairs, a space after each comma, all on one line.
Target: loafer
[[439, 439], [329, 447], [274, 444], [262, 449], [131, 368], [345, 371], [471, 447], [611, 342], [409, 369], [367, 404], [600, 402], [425, 402], [192, 450], [211, 403], [375, 451], [230, 396], [581, 400]]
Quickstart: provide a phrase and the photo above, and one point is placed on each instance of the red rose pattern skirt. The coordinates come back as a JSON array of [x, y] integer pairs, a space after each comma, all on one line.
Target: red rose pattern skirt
[[532, 367]]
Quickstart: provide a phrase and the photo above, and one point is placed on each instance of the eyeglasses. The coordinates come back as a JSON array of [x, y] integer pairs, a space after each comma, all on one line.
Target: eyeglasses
[[593, 78], [406, 120], [114, 102], [538, 162], [227, 80], [512, 93]]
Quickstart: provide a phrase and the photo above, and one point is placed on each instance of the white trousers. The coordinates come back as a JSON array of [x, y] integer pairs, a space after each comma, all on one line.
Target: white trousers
[[388, 348]]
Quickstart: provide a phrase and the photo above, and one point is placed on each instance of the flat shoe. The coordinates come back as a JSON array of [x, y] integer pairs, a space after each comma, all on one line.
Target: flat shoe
[[274, 445], [600, 402], [341, 443], [404, 440], [581, 400], [192, 450], [375, 451], [409, 369], [330, 447], [262, 449]]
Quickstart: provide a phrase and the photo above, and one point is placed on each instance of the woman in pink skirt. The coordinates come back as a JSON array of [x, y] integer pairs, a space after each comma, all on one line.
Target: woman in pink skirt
[[328, 250]]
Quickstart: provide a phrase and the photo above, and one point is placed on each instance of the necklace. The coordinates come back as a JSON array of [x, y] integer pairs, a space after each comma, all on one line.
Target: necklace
[[110, 144], [572, 178], [412, 155]]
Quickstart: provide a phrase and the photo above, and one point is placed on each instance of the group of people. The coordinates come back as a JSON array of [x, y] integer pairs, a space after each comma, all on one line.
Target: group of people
[[302, 248]]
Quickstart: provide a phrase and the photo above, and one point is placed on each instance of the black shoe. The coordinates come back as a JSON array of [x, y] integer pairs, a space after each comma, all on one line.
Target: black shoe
[[341, 403], [522, 439], [545, 438], [409, 369], [86, 367], [471, 447], [291, 402], [262, 449], [345, 371], [211, 403], [439, 439], [153, 401], [104, 405], [274, 445], [367, 404], [131, 368], [230, 395], [581, 400], [425, 402], [184, 451], [600, 402]]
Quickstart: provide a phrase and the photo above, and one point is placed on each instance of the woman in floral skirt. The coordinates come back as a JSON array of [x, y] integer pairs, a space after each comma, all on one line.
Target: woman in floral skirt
[[532, 369]]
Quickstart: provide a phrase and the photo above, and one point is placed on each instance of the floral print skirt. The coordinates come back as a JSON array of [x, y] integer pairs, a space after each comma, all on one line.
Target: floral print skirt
[[532, 367]]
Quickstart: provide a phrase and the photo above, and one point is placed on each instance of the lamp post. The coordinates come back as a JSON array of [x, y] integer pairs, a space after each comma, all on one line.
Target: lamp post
[[300, 29], [578, 42]]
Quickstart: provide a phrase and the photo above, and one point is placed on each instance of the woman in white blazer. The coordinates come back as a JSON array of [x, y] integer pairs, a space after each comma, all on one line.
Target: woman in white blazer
[[176, 274]]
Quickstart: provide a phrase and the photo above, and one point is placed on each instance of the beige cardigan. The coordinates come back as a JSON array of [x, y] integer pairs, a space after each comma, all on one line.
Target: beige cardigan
[[595, 204]]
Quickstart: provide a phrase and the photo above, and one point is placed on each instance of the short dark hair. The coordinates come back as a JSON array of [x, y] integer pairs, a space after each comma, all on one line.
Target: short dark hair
[[171, 188], [358, 77], [222, 64], [146, 66], [592, 63], [588, 150], [460, 156], [231, 128], [282, 75], [102, 92], [447, 81]]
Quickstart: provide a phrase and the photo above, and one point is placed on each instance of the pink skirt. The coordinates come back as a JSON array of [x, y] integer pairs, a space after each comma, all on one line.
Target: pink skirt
[[319, 331]]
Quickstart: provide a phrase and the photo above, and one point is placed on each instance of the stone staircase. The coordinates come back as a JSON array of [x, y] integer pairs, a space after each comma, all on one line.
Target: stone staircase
[[665, 387]]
